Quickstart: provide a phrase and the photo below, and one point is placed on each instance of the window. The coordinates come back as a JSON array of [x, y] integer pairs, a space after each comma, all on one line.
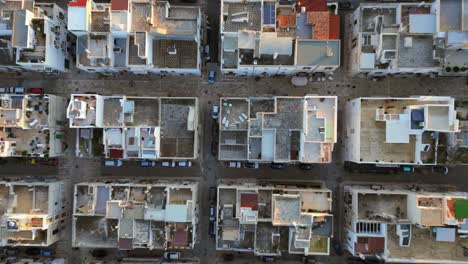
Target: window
[[328, 68], [306, 68], [55, 231]]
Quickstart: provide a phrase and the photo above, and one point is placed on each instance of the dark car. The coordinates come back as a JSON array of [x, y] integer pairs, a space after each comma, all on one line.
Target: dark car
[[11, 252], [440, 169], [304, 166], [278, 166], [212, 194], [251, 165], [32, 251], [368, 168], [228, 257], [344, 5], [99, 253], [337, 247], [211, 229]]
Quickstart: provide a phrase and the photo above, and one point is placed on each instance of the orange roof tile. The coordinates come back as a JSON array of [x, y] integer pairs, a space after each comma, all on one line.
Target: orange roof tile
[[320, 24]]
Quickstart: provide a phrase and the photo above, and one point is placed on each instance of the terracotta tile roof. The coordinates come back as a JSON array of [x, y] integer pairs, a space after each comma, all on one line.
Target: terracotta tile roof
[[118, 5], [312, 5], [370, 245], [334, 27], [78, 3], [249, 200], [287, 21], [320, 24], [325, 25]]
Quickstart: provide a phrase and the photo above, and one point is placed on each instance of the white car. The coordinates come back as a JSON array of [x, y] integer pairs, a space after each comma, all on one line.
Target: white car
[[112, 163], [172, 255], [168, 164], [184, 164], [215, 112], [234, 164]]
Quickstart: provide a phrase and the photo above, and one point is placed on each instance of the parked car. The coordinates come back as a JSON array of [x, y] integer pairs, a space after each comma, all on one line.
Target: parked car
[[278, 166], [168, 164], [251, 165], [212, 194], [407, 168], [368, 168], [32, 251], [148, 163], [233, 164], [99, 253], [440, 169], [215, 112], [299, 80], [19, 90], [305, 166], [211, 77], [172, 255], [337, 247], [112, 163], [11, 252], [48, 162], [268, 259], [47, 252], [211, 229], [344, 5], [207, 52], [184, 164], [35, 90], [228, 257], [6, 90], [212, 213]]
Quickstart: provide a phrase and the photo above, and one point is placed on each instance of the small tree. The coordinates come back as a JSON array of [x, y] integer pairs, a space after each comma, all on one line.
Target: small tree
[[448, 69], [456, 69]]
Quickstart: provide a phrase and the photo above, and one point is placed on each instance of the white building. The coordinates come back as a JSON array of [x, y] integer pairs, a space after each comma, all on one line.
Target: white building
[[31, 125], [278, 129], [146, 36], [268, 220], [33, 36], [393, 131], [405, 226], [32, 213], [136, 127], [278, 38], [394, 39], [127, 216]]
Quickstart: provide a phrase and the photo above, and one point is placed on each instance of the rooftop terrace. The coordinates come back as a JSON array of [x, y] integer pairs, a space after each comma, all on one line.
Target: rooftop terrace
[[266, 219], [270, 128], [129, 216]]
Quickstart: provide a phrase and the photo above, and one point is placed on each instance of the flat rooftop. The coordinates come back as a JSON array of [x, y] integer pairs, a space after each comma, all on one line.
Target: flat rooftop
[[379, 143], [416, 51], [152, 17], [384, 207], [128, 216], [271, 127], [238, 16], [178, 125], [317, 52], [425, 246], [241, 207], [82, 110], [169, 53], [451, 13]]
